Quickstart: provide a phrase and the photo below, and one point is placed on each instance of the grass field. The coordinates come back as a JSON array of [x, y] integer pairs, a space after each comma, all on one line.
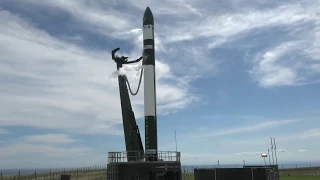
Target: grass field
[[191, 177], [100, 174], [300, 178]]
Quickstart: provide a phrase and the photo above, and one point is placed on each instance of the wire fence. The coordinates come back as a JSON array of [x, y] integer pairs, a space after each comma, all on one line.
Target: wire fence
[[98, 172]]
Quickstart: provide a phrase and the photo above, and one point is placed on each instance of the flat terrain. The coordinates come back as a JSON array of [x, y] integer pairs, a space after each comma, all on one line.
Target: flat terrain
[[300, 178], [100, 174], [190, 177]]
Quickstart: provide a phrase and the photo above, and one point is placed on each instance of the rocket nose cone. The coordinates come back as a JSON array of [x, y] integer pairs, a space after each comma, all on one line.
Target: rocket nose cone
[[148, 16]]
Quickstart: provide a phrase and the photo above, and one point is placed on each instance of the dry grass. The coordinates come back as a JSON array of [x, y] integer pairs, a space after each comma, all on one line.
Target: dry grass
[[191, 177], [100, 174], [75, 175]]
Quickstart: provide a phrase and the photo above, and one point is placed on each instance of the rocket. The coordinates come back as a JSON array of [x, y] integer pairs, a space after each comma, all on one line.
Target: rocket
[[151, 142]]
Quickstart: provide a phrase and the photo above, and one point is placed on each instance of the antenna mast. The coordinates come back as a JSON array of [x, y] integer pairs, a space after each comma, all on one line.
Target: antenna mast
[[269, 157], [275, 150], [272, 151], [175, 137]]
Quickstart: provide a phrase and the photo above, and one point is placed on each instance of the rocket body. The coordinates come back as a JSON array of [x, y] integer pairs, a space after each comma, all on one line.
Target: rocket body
[[151, 141]]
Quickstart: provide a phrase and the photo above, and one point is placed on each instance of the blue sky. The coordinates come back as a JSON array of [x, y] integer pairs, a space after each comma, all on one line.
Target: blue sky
[[230, 74]]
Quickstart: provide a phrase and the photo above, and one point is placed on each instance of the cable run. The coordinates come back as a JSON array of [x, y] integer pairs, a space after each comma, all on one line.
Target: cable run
[[139, 84]]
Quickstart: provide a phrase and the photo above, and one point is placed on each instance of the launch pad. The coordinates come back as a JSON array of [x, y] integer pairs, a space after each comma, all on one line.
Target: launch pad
[[245, 173], [168, 167]]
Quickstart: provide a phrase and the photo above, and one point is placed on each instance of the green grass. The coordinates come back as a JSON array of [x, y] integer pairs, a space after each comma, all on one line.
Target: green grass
[[100, 174], [300, 178], [191, 177]]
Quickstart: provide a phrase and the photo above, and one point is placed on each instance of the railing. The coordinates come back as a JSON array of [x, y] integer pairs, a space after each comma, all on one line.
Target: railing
[[114, 157]]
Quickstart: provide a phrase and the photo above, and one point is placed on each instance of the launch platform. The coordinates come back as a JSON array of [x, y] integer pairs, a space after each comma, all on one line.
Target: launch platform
[[168, 166]]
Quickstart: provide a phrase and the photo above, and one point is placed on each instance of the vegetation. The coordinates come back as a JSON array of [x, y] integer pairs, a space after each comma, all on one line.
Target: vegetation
[[100, 174], [300, 178]]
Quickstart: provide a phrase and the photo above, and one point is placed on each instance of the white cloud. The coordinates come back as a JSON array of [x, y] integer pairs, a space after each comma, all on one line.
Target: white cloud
[[285, 65], [302, 150], [248, 153], [3, 131], [252, 128], [311, 133], [269, 72], [42, 150], [282, 150], [294, 62], [113, 24], [291, 139], [49, 139], [216, 27], [52, 83], [166, 7], [227, 25]]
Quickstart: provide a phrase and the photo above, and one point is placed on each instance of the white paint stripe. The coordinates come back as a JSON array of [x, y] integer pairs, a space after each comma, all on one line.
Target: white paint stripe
[[149, 91], [147, 32]]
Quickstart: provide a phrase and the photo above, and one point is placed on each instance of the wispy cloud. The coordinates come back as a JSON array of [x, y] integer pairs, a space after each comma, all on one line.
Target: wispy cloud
[[282, 150], [49, 139], [248, 153], [284, 139], [311, 133], [214, 30], [251, 128], [269, 72], [92, 16], [258, 152], [292, 62], [3, 131], [49, 78], [302, 150], [45, 150]]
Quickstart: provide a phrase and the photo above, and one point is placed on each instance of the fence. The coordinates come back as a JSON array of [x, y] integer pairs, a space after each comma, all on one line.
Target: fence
[[98, 172]]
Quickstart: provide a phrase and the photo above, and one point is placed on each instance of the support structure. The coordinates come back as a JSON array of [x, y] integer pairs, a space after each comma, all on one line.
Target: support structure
[[131, 130]]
